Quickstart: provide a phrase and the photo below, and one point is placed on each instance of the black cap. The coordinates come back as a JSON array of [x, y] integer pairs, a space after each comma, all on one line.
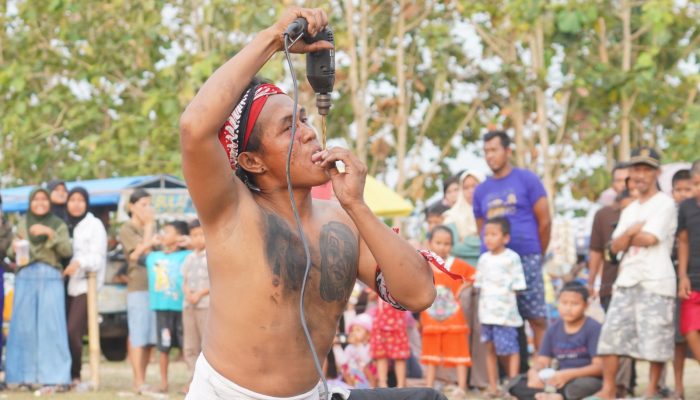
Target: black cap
[[646, 156]]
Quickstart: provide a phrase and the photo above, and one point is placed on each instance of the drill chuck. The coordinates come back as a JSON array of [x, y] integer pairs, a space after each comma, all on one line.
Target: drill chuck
[[323, 103]]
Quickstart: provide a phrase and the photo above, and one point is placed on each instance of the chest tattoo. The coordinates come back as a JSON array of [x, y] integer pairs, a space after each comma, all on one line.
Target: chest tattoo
[[285, 254], [339, 255], [338, 250]]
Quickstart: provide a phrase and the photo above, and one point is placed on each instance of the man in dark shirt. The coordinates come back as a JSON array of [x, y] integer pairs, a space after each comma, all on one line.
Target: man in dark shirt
[[682, 189], [689, 264], [604, 223], [603, 226]]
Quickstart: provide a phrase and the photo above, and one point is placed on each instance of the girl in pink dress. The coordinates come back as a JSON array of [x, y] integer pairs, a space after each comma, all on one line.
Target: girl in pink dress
[[389, 341]]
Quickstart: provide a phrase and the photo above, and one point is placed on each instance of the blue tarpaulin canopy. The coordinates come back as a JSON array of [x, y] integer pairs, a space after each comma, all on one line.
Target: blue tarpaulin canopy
[[103, 192]]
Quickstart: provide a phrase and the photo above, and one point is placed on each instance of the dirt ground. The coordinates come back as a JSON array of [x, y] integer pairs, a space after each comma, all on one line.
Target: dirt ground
[[116, 382]]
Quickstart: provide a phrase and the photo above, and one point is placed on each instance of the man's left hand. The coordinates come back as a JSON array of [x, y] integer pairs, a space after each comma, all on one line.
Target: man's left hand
[[348, 185]]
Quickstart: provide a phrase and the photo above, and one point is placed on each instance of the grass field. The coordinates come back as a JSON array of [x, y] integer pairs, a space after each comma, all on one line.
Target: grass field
[[116, 382]]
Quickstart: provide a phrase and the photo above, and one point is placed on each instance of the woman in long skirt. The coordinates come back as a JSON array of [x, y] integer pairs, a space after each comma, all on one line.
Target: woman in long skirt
[[37, 346]]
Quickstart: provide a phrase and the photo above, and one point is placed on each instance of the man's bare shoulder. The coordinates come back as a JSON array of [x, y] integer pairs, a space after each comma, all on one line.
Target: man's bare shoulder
[[245, 214]]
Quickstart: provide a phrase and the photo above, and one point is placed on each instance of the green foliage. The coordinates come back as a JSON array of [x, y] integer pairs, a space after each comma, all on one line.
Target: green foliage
[[95, 89], [88, 91]]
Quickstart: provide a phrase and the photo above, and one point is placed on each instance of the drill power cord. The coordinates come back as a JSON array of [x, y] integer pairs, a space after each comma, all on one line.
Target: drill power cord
[[287, 44]]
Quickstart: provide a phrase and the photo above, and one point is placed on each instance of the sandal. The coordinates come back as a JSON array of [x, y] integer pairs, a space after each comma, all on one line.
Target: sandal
[[499, 394]]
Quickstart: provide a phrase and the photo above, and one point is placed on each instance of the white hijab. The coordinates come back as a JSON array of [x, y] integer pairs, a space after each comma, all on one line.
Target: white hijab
[[462, 213]]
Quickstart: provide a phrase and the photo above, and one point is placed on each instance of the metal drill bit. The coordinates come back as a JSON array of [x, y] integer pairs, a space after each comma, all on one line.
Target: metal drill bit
[[323, 131]]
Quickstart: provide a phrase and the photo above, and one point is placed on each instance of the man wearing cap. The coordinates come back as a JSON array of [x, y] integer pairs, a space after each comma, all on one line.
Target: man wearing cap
[[639, 322], [254, 346]]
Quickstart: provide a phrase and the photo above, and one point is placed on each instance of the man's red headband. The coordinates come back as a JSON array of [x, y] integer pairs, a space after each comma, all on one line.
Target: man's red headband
[[244, 114]]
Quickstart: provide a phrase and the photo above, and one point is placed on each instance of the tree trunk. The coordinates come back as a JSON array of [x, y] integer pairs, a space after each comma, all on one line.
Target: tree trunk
[[538, 65], [358, 74], [401, 119], [517, 114], [518, 126], [626, 101]]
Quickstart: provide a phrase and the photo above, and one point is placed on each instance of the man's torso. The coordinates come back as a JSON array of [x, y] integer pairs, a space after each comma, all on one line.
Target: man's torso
[[690, 213], [256, 265], [572, 350], [510, 197], [651, 266]]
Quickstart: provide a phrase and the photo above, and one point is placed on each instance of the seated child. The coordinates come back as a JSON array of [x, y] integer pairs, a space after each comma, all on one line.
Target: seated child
[[569, 346], [356, 364]]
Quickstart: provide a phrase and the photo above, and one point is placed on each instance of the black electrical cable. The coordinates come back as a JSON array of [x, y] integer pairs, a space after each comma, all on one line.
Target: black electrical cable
[[292, 200]]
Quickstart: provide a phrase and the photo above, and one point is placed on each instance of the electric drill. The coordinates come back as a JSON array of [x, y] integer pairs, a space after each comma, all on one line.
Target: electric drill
[[320, 65]]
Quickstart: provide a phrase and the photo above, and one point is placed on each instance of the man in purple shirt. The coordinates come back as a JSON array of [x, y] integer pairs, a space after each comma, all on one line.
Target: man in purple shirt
[[518, 195]]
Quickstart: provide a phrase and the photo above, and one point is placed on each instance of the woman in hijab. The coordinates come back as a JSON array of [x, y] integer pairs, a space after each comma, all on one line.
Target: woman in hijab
[[89, 255], [460, 219], [58, 195], [37, 346]]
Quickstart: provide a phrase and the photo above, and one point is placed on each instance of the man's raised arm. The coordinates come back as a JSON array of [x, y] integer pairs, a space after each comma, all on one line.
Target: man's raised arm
[[205, 166]]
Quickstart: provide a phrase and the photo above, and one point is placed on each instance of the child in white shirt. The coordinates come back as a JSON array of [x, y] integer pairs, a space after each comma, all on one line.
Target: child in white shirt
[[499, 275]]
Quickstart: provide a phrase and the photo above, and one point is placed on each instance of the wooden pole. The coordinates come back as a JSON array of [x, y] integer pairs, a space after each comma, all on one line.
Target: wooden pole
[[93, 331]]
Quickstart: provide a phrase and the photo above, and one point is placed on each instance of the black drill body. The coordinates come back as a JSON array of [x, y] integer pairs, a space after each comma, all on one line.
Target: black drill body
[[320, 65]]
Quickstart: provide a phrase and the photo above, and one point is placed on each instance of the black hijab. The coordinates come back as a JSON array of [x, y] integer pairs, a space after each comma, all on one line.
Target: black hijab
[[73, 221], [58, 210]]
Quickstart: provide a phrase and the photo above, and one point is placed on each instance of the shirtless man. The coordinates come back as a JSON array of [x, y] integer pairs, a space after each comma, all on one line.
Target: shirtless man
[[254, 345]]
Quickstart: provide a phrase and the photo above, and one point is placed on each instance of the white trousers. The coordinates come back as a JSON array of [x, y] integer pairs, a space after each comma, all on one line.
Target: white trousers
[[207, 384]]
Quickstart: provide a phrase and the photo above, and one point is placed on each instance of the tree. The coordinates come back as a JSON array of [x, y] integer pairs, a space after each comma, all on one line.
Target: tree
[[610, 58], [95, 89]]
